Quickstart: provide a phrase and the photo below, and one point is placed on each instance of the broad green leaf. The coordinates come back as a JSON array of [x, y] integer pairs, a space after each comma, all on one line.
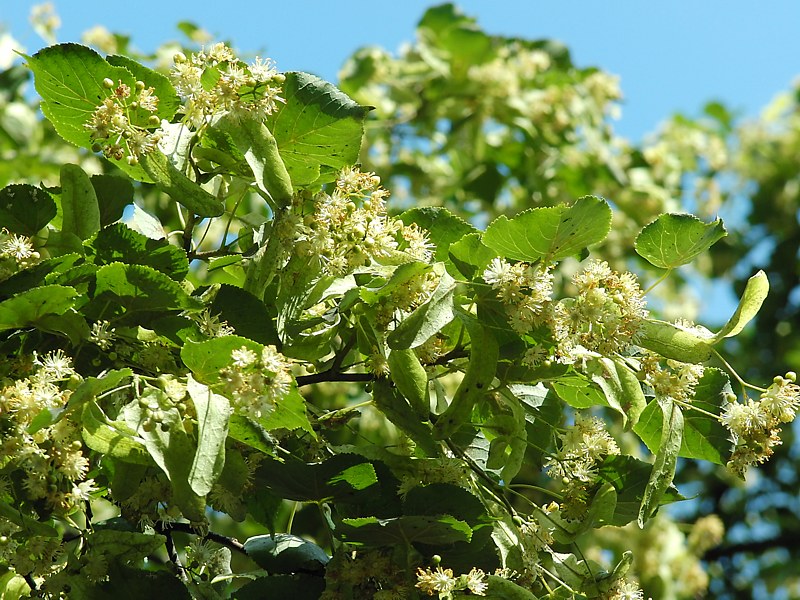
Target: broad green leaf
[[30, 525], [318, 129], [755, 292], [666, 460], [600, 512], [299, 586], [446, 28], [244, 312], [379, 288], [441, 529], [141, 288], [704, 437], [445, 498], [71, 325], [112, 438], [41, 273], [260, 150], [25, 209], [179, 187], [340, 478], [286, 553], [444, 227], [69, 78], [470, 255], [113, 193], [206, 359], [172, 450], [13, 586], [213, 412], [391, 403], [168, 100], [427, 319], [579, 392], [550, 233], [79, 208], [120, 243], [124, 546], [289, 413], [629, 476], [245, 430], [91, 387], [27, 308], [673, 240]]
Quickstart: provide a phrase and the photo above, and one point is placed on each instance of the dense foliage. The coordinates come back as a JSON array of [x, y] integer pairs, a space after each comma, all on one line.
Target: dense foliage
[[210, 314]]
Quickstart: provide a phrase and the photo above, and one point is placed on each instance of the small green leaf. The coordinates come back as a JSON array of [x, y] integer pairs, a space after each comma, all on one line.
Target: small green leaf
[[393, 404], [113, 193], [550, 233], [411, 379], [245, 430], [31, 526], [79, 207], [318, 129], [622, 389], [673, 240], [665, 462], [25, 209], [244, 312], [213, 412], [444, 227], [28, 307], [755, 292], [179, 187], [206, 359], [124, 546], [260, 150]]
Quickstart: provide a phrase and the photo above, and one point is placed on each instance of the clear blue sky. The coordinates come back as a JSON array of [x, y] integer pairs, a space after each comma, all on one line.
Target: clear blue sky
[[672, 55]]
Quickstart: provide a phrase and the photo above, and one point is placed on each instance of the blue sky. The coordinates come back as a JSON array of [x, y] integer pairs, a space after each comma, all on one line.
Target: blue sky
[[671, 56]]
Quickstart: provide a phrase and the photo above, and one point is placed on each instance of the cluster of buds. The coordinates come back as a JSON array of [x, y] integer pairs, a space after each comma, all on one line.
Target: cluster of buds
[[125, 124], [350, 228], [254, 382], [525, 291], [755, 425], [215, 81], [583, 446], [604, 317]]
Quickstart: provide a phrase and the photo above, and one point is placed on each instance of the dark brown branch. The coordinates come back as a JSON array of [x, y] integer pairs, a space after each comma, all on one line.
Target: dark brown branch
[[788, 539], [333, 376], [222, 540]]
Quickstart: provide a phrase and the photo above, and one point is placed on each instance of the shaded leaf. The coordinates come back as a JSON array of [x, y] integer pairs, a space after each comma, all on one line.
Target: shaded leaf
[[286, 553], [442, 529], [25, 209], [120, 243], [79, 208], [26, 308]]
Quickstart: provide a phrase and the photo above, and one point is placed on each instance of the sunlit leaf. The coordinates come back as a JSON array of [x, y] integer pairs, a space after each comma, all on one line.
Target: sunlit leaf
[[673, 240]]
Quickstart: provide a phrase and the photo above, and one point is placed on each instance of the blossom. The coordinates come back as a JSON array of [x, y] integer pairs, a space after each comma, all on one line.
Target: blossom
[[440, 581]]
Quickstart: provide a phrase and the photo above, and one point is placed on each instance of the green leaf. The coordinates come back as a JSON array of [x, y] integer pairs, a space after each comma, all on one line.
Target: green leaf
[[393, 404], [671, 341], [244, 312], [676, 239], [441, 529], [550, 233], [141, 288], [79, 207], [120, 243], [113, 193], [260, 150], [27, 308], [286, 553], [299, 586], [124, 546], [704, 437], [134, 584], [470, 256], [629, 476], [91, 387], [25, 209], [28, 525], [340, 478], [289, 413], [622, 389], [69, 78], [212, 411], [206, 359], [666, 460], [444, 227], [579, 392], [318, 129], [179, 187], [168, 100], [112, 438], [427, 319], [172, 450], [445, 498], [245, 430], [755, 292]]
